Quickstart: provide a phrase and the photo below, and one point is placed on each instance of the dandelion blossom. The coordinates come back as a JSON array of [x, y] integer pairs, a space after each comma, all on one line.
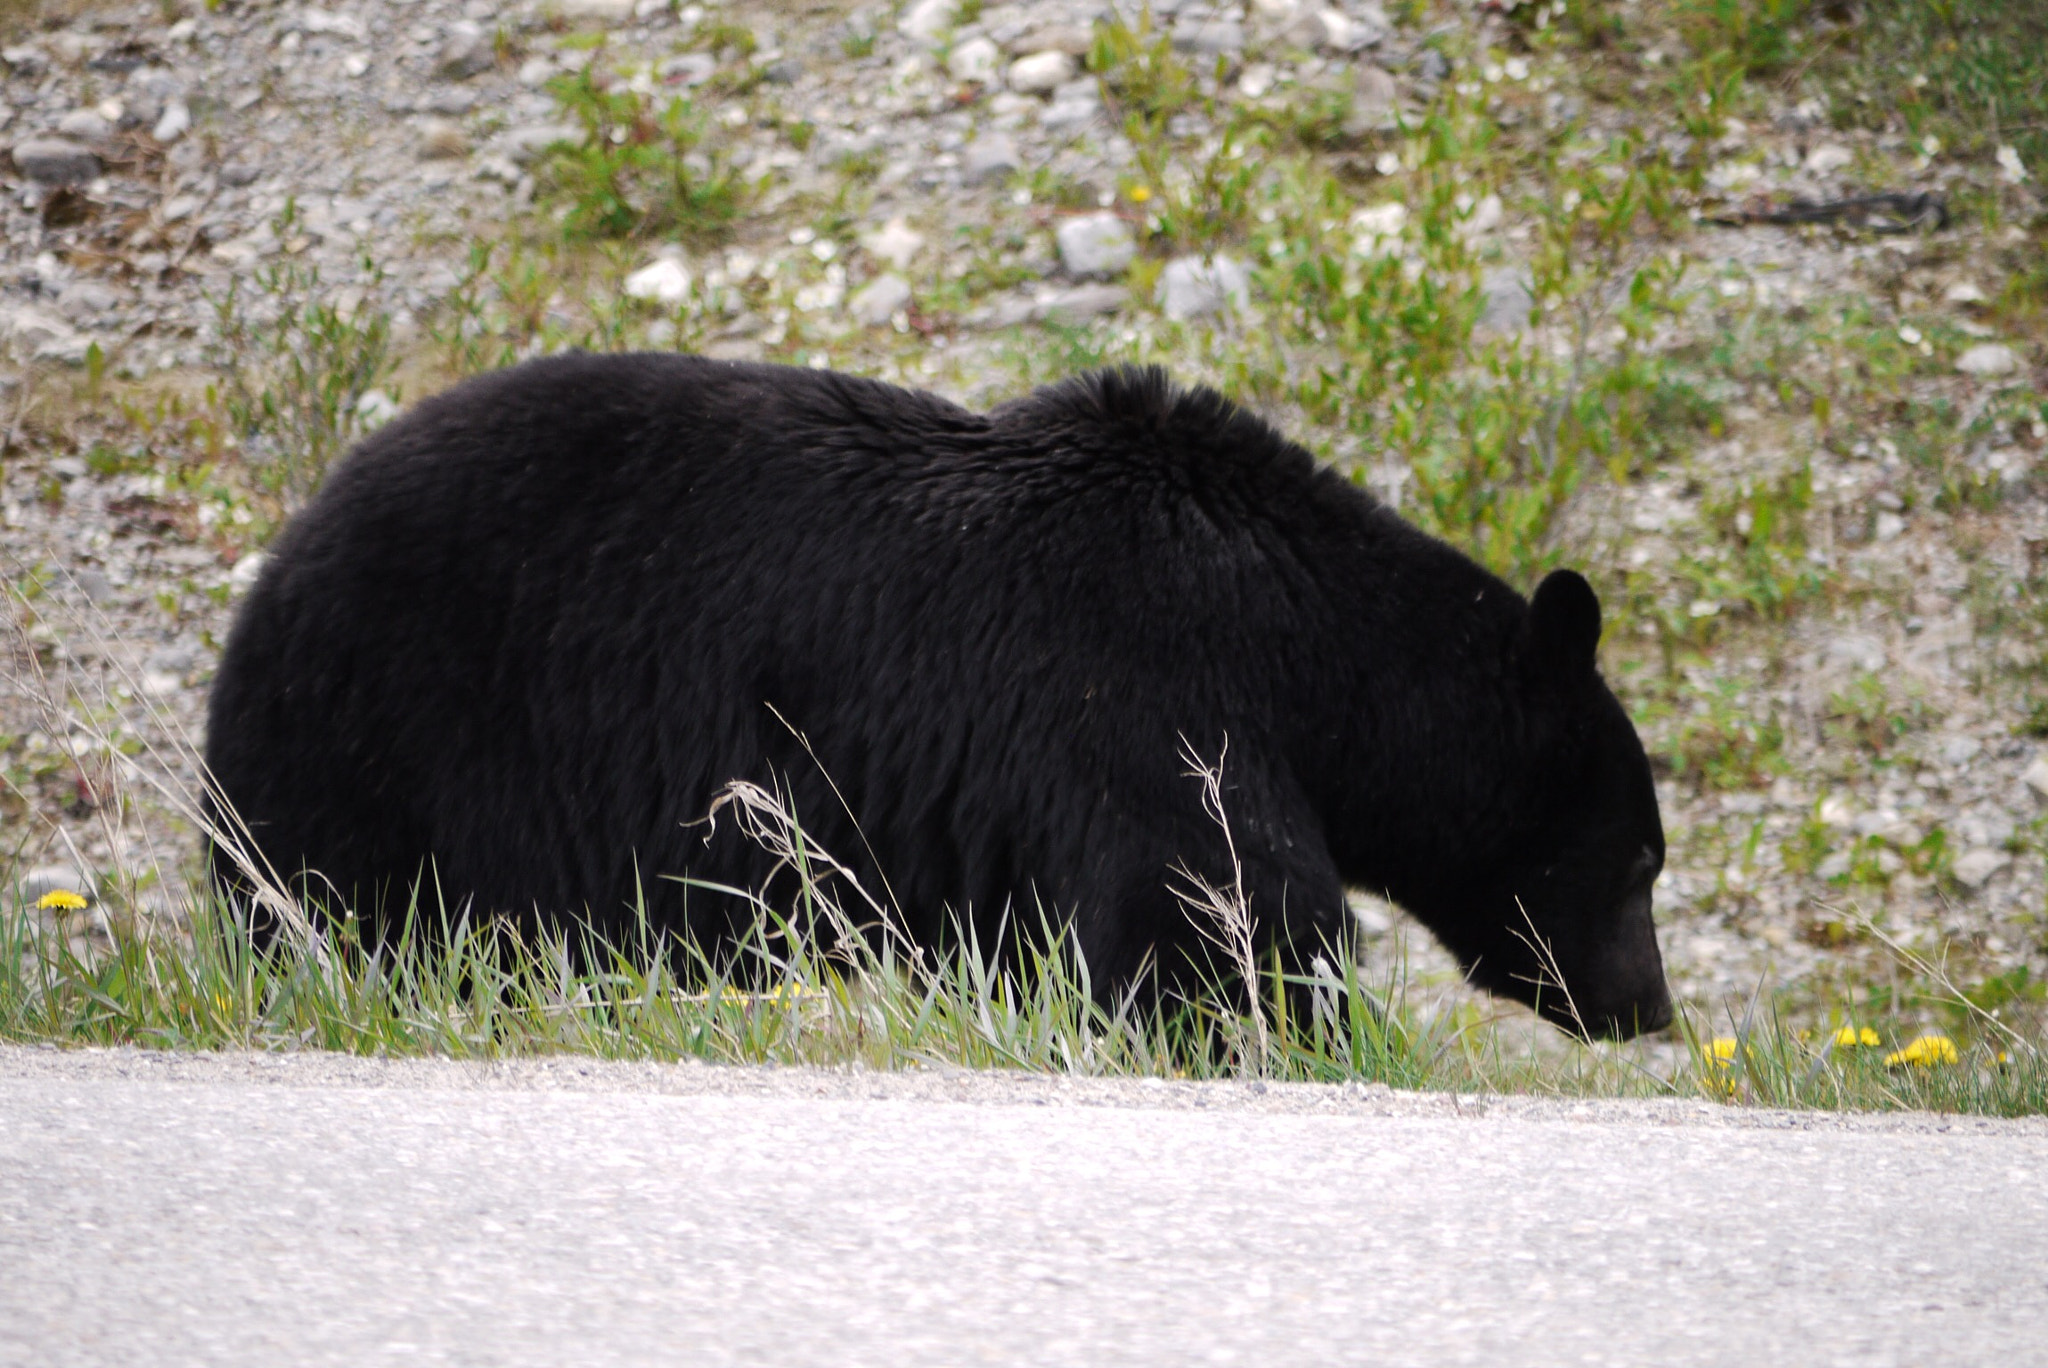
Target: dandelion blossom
[[61, 900], [1926, 1051], [1722, 1050], [1140, 193], [1849, 1037]]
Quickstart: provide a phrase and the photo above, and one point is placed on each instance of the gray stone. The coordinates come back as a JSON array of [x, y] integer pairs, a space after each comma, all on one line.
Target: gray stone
[[528, 142], [1373, 98], [42, 336], [597, 12], [1194, 287], [467, 51], [1097, 244], [1078, 304], [173, 123], [975, 60], [1988, 359], [55, 161], [990, 157], [1509, 300], [783, 71], [451, 100], [927, 21], [86, 126], [1041, 73], [1974, 868], [1210, 37], [878, 301]]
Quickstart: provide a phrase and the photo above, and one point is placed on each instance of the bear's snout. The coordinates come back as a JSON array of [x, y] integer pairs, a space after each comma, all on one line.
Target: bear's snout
[[1627, 995]]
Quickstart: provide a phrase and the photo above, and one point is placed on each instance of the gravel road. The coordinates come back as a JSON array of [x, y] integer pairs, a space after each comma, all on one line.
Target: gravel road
[[244, 1209]]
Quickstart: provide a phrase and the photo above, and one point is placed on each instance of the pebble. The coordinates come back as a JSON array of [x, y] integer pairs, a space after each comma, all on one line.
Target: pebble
[[927, 21], [990, 157], [527, 142], [895, 242], [1197, 287], [242, 578], [1097, 244], [1974, 868], [1828, 158], [2036, 776], [1210, 37], [1041, 73], [1988, 359], [974, 60], [466, 52], [607, 13], [173, 123], [1078, 304], [39, 335], [55, 161], [665, 281], [876, 303]]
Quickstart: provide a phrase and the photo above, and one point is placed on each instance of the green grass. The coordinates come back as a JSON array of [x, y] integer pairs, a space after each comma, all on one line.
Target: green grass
[[477, 992]]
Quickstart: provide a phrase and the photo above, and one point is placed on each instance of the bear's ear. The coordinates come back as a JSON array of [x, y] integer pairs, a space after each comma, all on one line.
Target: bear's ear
[[1564, 621]]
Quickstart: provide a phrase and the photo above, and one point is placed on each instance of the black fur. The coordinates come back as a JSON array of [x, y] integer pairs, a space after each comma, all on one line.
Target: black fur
[[532, 628]]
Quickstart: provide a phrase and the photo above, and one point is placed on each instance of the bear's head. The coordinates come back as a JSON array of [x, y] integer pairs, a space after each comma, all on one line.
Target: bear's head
[[1559, 917]]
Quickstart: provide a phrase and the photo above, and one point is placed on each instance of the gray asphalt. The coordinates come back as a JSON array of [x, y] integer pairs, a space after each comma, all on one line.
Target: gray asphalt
[[312, 1209]]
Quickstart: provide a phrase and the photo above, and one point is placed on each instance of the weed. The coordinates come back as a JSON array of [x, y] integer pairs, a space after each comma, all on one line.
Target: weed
[[295, 370], [640, 169]]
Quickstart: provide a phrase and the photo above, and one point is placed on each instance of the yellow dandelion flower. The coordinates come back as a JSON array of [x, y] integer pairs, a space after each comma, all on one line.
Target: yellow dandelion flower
[[1140, 193], [61, 899], [1926, 1051], [1849, 1037], [1722, 1049]]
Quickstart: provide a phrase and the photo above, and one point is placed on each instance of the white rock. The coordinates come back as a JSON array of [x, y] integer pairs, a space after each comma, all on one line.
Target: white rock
[[1988, 359], [975, 59], [1376, 231], [243, 577], [665, 281], [607, 12], [1077, 304], [173, 123], [1828, 158], [927, 21], [878, 301], [1096, 245], [1342, 33], [1963, 292], [1974, 868], [1192, 287], [2036, 776], [325, 21], [989, 157], [1041, 73], [33, 333], [895, 242], [87, 126], [375, 408]]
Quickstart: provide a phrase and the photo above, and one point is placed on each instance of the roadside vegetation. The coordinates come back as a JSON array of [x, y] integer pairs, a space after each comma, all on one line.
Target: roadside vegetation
[[1492, 306]]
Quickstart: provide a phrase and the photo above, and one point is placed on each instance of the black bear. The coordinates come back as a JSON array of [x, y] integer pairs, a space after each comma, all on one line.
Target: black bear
[[528, 632]]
